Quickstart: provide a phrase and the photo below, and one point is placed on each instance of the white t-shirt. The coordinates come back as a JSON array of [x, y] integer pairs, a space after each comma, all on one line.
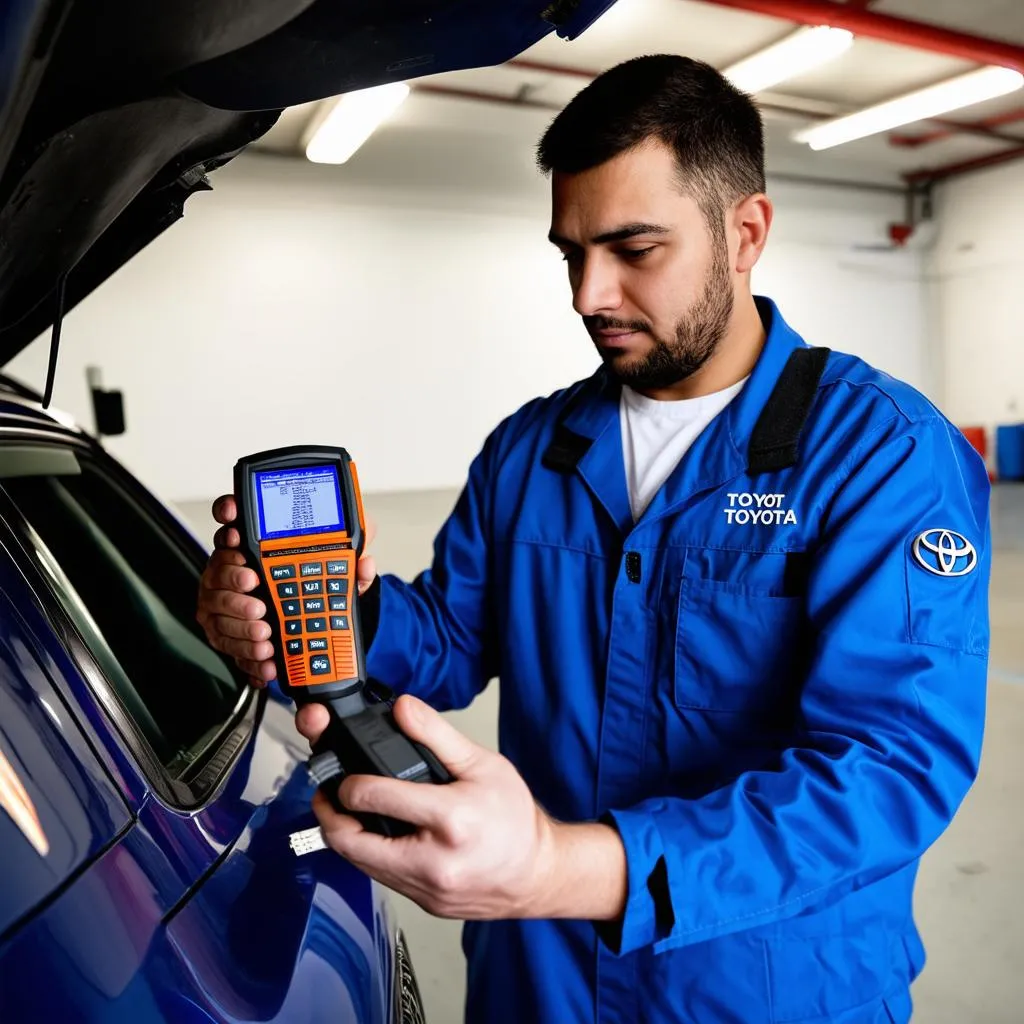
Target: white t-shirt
[[656, 435]]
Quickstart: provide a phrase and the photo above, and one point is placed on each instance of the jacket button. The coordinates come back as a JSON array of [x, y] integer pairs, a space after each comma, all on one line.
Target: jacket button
[[633, 566]]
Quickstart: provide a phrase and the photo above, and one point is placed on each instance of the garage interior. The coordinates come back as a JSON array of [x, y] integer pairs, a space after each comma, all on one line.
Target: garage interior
[[419, 277]]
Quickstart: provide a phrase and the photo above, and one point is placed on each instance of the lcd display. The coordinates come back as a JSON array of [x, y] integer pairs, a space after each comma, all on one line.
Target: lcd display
[[292, 502]]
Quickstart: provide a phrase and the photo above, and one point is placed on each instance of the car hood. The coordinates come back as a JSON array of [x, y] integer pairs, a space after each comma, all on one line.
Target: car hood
[[112, 112]]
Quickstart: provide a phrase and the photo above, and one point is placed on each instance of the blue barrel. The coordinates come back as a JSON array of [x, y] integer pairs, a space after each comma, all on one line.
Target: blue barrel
[[1010, 451]]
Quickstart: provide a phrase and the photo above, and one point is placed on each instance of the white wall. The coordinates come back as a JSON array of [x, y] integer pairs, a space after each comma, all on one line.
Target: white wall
[[301, 303], [978, 269]]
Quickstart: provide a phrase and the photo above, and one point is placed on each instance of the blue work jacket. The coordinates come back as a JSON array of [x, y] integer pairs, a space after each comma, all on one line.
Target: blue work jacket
[[771, 685]]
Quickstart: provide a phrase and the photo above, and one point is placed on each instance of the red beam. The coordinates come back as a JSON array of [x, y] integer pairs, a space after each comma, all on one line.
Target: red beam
[[933, 174], [886, 28], [987, 126]]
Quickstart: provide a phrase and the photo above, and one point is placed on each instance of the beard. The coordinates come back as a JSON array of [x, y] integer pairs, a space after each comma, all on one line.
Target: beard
[[697, 333]]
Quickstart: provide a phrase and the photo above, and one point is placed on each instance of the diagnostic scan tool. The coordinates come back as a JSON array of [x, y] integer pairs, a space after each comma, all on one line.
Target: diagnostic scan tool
[[300, 517]]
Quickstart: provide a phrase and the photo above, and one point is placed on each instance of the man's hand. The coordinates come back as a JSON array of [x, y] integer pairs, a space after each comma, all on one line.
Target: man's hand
[[234, 622], [484, 849]]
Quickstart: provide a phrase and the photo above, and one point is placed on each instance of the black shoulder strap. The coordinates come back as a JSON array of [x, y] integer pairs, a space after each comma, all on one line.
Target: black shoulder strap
[[774, 444], [567, 447]]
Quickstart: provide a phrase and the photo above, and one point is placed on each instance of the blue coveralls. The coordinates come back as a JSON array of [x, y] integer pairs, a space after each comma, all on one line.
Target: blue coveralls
[[779, 712]]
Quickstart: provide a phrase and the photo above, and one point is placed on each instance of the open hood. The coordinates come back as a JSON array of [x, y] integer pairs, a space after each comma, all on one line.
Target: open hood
[[112, 112]]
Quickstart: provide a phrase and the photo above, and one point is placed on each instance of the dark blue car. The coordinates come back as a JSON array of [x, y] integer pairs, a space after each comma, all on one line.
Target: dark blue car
[[146, 793]]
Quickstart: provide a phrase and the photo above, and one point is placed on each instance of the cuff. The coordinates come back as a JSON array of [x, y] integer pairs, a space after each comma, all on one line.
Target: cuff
[[648, 916]]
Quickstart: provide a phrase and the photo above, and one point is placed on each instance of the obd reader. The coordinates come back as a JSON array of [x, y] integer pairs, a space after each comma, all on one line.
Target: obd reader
[[300, 517]]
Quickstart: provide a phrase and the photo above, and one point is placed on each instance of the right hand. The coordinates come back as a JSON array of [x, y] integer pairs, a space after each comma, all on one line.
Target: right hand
[[235, 623]]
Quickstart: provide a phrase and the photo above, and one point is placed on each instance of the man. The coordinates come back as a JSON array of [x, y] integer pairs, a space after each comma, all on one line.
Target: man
[[735, 592]]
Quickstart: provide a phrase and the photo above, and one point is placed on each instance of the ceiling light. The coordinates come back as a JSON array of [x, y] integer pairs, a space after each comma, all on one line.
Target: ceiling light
[[963, 91], [805, 49], [344, 126]]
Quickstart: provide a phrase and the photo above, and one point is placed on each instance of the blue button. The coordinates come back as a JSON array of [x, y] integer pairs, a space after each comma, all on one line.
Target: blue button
[[337, 568]]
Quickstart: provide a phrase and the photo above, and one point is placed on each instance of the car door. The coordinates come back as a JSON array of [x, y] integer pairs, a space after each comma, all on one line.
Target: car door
[[213, 771]]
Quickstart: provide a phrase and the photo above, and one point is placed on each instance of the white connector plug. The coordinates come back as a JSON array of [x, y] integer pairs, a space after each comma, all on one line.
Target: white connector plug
[[309, 840]]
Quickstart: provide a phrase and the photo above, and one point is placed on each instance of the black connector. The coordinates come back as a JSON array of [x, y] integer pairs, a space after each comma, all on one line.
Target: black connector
[[364, 739]]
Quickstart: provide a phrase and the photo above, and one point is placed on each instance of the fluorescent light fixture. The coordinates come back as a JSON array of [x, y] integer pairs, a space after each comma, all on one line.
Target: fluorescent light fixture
[[963, 91], [805, 49], [350, 121]]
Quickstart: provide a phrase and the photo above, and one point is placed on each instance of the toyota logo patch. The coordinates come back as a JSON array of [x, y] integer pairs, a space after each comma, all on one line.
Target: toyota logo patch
[[945, 553]]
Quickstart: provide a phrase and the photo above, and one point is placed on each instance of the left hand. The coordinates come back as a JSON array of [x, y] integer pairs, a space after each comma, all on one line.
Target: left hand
[[484, 849]]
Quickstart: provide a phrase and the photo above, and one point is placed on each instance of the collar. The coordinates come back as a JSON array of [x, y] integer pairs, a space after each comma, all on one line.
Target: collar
[[718, 455]]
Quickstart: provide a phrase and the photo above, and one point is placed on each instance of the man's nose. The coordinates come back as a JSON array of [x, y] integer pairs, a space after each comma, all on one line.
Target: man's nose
[[596, 289]]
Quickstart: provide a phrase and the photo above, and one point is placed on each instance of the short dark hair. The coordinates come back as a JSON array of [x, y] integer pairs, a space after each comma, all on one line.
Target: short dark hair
[[715, 129]]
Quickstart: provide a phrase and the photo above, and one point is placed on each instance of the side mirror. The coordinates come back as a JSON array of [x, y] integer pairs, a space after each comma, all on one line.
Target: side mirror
[[107, 406]]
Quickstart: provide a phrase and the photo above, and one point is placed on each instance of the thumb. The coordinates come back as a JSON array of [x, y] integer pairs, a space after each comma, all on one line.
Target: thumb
[[420, 722]]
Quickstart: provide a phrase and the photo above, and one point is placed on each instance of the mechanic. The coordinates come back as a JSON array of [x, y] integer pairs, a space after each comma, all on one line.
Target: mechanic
[[735, 590]]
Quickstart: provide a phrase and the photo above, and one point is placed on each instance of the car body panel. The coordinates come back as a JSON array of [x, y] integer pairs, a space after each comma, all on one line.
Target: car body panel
[[156, 913]]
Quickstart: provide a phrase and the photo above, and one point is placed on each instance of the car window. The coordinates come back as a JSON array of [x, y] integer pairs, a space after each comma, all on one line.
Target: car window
[[130, 588]]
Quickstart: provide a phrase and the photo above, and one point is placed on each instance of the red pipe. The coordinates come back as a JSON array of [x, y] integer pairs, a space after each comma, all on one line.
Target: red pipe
[[934, 174], [986, 126], [887, 28]]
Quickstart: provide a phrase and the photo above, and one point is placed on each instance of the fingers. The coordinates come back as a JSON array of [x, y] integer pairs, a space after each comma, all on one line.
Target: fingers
[[259, 672], [245, 650], [227, 537], [227, 570], [420, 805], [225, 509], [420, 722], [311, 720], [366, 573], [254, 630]]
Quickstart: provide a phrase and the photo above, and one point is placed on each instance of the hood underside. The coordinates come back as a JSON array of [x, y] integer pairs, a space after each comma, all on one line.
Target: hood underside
[[112, 112]]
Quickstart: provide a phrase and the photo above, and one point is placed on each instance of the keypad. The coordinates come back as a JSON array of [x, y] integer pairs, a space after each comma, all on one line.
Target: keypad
[[314, 602]]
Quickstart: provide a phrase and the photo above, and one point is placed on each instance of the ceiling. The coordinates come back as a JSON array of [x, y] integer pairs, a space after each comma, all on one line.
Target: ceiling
[[512, 102]]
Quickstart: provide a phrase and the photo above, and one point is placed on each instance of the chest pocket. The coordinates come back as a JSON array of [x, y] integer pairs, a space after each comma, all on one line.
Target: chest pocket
[[740, 639]]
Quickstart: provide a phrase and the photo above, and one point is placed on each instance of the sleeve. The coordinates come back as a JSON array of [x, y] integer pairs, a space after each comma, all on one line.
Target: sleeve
[[891, 712], [434, 637]]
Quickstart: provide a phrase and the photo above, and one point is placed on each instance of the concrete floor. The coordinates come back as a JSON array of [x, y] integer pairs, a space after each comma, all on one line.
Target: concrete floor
[[970, 898]]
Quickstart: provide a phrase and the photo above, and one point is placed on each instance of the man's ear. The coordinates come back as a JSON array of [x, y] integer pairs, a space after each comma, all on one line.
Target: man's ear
[[751, 222]]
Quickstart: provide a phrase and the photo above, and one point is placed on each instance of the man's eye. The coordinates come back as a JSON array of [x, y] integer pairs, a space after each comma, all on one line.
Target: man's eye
[[571, 256], [636, 254]]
